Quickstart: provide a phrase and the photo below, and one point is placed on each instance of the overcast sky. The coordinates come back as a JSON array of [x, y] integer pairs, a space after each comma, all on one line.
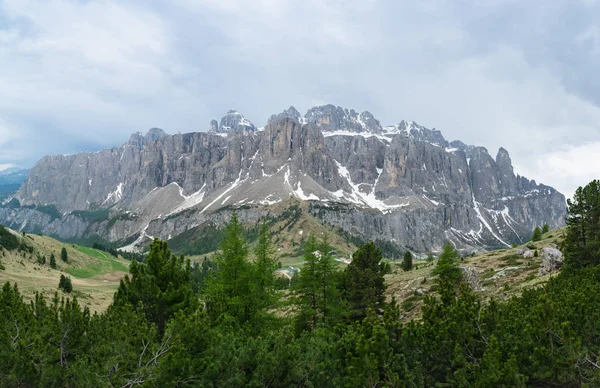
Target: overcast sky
[[525, 75]]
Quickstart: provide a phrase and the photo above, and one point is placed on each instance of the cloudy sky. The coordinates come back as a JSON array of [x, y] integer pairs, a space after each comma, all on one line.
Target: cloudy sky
[[83, 75]]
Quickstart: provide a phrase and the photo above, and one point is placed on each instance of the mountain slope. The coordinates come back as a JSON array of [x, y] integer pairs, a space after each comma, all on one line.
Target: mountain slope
[[403, 183], [95, 274]]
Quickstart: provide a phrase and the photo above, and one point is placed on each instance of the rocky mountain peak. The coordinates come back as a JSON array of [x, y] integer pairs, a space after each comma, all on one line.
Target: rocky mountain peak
[[139, 140], [154, 134], [291, 113], [330, 118], [503, 157], [234, 121]]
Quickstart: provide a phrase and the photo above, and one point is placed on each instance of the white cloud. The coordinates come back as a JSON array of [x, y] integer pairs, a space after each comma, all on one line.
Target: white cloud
[[97, 71], [570, 166]]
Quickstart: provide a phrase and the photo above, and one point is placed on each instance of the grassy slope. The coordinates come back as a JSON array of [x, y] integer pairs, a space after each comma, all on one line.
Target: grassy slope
[[403, 285], [95, 274], [288, 234]]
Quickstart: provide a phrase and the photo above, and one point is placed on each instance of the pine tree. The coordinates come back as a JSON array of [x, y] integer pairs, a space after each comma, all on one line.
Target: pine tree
[[63, 255], [52, 261], [407, 262], [537, 234], [545, 228], [582, 242], [159, 288], [363, 281]]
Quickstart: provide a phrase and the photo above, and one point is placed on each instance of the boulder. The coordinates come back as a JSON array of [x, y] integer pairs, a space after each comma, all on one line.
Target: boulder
[[528, 254], [552, 260], [470, 276]]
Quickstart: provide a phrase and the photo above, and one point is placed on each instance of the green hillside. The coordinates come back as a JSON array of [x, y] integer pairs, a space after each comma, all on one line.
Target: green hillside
[[95, 274]]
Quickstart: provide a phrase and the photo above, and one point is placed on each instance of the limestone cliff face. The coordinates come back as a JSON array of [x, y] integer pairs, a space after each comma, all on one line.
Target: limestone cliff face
[[403, 183]]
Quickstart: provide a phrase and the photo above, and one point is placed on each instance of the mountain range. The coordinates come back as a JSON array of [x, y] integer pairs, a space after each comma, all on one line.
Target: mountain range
[[404, 184]]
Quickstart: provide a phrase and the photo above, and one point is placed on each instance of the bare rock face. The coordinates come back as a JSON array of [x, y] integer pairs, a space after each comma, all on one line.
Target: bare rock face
[[402, 183], [552, 260]]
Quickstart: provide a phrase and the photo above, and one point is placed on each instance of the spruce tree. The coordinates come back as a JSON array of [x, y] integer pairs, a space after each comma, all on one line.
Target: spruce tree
[[363, 281], [63, 255], [407, 262], [545, 228], [52, 261]]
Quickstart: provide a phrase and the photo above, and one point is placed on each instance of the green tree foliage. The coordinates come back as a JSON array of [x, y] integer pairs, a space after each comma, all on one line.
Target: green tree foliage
[[265, 264], [582, 243], [547, 337], [363, 281], [537, 234], [65, 284], [228, 291], [159, 288], [449, 275], [545, 228], [407, 261], [430, 257], [200, 272], [8, 240], [317, 294], [64, 255], [52, 261]]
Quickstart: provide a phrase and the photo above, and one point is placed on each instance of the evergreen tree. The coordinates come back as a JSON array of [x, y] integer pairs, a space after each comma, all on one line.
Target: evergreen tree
[[449, 274], [307, 290], [545, 228], [52, 261], [582, 242], [228, 292], [537, 234], [159, 288], [65, 284], [317, 295], [264, 265], [407, 262], [328, 277], [363, 281], [63, 255]]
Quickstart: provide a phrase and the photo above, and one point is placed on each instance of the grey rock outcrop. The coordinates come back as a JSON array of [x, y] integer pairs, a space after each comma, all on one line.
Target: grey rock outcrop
[[404, 183], [470, 276], [552, 260]]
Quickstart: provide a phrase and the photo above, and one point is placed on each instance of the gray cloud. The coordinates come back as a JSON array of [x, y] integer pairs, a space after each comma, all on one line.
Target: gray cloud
[[522, 75]]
